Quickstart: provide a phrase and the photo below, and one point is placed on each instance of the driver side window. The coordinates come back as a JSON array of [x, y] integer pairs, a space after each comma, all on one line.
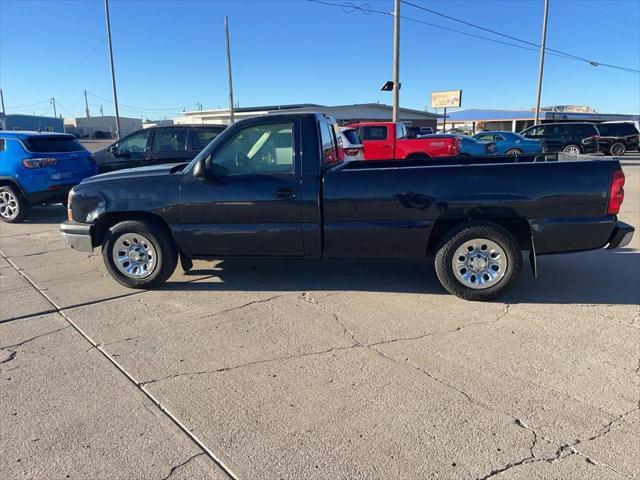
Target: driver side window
[[136, 143], [258, 149]]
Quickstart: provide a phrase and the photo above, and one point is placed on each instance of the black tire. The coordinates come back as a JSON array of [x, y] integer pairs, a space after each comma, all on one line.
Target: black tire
[[166, 253], [569, 147], [468, 232], [513, 151], [15, 201], [620, 147]]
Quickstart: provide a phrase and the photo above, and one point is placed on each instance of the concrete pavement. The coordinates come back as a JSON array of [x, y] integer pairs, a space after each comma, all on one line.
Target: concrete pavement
[[316, 370]]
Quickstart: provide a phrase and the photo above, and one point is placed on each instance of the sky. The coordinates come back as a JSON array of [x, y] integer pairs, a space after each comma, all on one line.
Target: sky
[[170, 54]]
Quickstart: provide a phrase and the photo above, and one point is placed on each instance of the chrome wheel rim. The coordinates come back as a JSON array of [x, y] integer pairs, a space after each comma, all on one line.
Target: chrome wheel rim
[[479, 263], [134, 255], [618, 149], [572, 149], [9, 208], [513, 152]]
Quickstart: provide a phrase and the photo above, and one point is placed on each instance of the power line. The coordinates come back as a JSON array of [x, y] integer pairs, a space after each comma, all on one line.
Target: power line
[[133, 107], [28, 105], [349, 7], [559, 52]]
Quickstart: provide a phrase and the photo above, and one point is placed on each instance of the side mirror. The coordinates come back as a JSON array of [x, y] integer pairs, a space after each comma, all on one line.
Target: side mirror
[[113, 148], [200, 168], [206, 169]]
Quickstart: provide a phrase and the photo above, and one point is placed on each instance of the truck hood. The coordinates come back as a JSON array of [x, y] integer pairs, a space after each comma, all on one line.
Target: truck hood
[[131, 173]]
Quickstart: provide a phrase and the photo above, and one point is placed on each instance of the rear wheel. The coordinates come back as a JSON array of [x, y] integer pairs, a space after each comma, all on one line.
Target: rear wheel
[[617, 149], [13, 207], [479, 262], [514, 151], [139, 254], [572, 149]]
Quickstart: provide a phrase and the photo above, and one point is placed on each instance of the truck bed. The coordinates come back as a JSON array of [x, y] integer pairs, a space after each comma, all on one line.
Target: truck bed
[[562, 203]]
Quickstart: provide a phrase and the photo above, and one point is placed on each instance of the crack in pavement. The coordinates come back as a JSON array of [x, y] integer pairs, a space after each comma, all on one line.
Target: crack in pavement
[[222, 312], [176, 467], [33, 338], [454, 330], [6, 358], [39, 253], [250, 364]]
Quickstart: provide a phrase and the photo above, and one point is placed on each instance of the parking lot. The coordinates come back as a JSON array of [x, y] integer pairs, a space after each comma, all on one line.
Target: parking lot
[[348, 370]]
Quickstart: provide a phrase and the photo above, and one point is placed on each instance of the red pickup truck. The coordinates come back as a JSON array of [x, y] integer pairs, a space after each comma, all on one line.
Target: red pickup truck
[[388, 140]]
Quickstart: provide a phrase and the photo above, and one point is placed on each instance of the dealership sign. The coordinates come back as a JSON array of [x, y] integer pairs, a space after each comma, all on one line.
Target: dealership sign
[[450, 98]]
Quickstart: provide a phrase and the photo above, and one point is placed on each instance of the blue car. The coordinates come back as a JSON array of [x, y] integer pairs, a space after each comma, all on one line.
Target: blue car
[[510, 143], [39, 168]]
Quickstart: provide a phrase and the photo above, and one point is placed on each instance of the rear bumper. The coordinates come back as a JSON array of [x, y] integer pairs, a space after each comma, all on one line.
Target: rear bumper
[[56, 195], [621, 236], [77, 235]]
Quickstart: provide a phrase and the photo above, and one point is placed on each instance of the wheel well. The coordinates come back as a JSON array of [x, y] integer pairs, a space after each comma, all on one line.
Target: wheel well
[[10, 183], [517, 226], [109, 219]]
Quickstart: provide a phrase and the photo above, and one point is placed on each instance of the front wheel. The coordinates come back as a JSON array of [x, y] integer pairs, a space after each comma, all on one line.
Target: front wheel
[[479, 262], [139, 254], [13, 207]]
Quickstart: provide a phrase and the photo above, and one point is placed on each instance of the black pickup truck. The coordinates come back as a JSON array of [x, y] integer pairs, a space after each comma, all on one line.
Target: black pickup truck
[[274, 186]]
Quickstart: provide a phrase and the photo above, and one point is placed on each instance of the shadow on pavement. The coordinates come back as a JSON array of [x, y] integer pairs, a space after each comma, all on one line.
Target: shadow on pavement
[[598, 277], [47, 215]]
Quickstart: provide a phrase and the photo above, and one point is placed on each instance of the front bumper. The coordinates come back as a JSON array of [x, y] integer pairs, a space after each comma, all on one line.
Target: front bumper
[[621, 236], [77, 235]]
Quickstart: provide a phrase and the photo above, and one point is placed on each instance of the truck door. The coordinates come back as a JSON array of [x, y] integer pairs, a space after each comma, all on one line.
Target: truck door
[[250, 203], [378, 142]]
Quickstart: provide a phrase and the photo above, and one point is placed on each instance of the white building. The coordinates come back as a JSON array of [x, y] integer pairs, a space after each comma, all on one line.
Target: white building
[[342, 113], [101, 127]]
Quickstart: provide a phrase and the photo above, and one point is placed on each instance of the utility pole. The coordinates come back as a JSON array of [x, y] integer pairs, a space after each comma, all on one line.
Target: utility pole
[[541, 67], [396, 60], [101, 112], [113, 72], [53, 101], [2, 101], [86, 105], [226, 28]]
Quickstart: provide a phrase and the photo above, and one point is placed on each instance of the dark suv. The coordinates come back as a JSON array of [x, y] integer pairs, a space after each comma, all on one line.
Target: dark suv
[[616, 138], [157, 145], [566, 137]]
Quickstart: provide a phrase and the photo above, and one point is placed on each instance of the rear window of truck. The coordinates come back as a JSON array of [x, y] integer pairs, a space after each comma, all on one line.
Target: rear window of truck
[[52, 144]]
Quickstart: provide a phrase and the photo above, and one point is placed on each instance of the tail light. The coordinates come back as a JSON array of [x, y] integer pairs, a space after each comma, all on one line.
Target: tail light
[[616, 193], [39, 162], [352, 152]]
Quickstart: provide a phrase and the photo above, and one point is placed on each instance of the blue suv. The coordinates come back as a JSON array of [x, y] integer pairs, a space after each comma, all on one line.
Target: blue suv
[[39, 168]]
